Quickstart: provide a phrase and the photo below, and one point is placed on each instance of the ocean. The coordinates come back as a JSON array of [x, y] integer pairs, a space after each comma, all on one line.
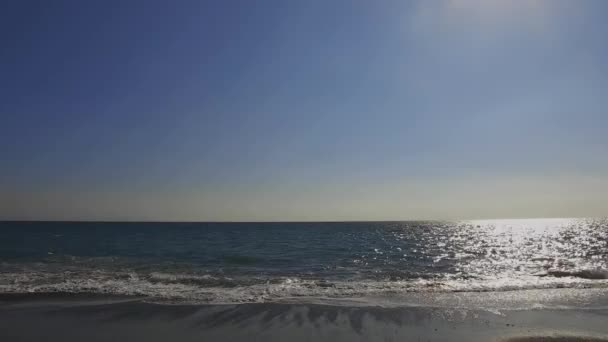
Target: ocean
[[333, 262]]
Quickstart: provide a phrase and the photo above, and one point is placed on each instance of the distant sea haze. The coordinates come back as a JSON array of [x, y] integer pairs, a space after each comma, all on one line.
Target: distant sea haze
[[272, 262]]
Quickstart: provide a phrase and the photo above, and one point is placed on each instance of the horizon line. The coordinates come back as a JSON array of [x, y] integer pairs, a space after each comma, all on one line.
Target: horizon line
[[293, 221]]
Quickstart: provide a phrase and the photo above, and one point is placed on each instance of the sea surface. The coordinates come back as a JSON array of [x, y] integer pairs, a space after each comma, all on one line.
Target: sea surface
[[303, 262]]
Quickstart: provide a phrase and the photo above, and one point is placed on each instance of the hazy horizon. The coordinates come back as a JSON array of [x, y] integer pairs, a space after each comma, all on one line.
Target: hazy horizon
[[313, 111], [528, 220]]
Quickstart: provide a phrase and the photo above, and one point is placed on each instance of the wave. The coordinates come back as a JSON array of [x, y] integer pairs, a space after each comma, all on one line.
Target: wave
[[584, 274], [217, 289]]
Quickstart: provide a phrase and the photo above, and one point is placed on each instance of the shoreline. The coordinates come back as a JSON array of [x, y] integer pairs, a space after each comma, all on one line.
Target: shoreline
[[517, 299]]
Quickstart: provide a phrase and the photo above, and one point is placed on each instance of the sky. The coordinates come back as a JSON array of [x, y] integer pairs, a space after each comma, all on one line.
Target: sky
[[303, 110]]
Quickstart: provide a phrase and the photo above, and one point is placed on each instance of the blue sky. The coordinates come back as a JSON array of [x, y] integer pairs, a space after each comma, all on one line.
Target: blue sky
[[303, 110]]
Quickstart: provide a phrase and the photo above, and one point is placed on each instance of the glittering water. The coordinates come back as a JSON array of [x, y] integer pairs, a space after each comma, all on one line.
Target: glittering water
[[253, 262]]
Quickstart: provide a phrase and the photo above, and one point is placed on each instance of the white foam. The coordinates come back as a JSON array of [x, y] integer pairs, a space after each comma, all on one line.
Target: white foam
[[180, 276], [170, 288]]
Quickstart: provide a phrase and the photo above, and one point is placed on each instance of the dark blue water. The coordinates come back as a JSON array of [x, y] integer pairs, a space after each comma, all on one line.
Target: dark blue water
[[236, 262]]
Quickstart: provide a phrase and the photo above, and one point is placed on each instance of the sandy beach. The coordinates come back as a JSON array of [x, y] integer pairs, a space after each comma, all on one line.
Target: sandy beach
[[96, 318]]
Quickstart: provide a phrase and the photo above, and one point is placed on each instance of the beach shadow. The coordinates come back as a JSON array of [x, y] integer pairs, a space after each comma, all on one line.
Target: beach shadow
[[299, 315]]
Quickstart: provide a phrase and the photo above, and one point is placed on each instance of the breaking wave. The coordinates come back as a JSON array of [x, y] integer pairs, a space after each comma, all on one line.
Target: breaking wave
[[214, 289], [584, 274]]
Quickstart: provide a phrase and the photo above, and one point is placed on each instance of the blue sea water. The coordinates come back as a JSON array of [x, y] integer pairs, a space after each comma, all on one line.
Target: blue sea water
[[273, 262]]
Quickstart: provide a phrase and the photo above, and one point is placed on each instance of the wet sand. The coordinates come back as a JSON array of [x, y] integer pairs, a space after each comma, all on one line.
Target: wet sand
[[97, 318], [556, 339]]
